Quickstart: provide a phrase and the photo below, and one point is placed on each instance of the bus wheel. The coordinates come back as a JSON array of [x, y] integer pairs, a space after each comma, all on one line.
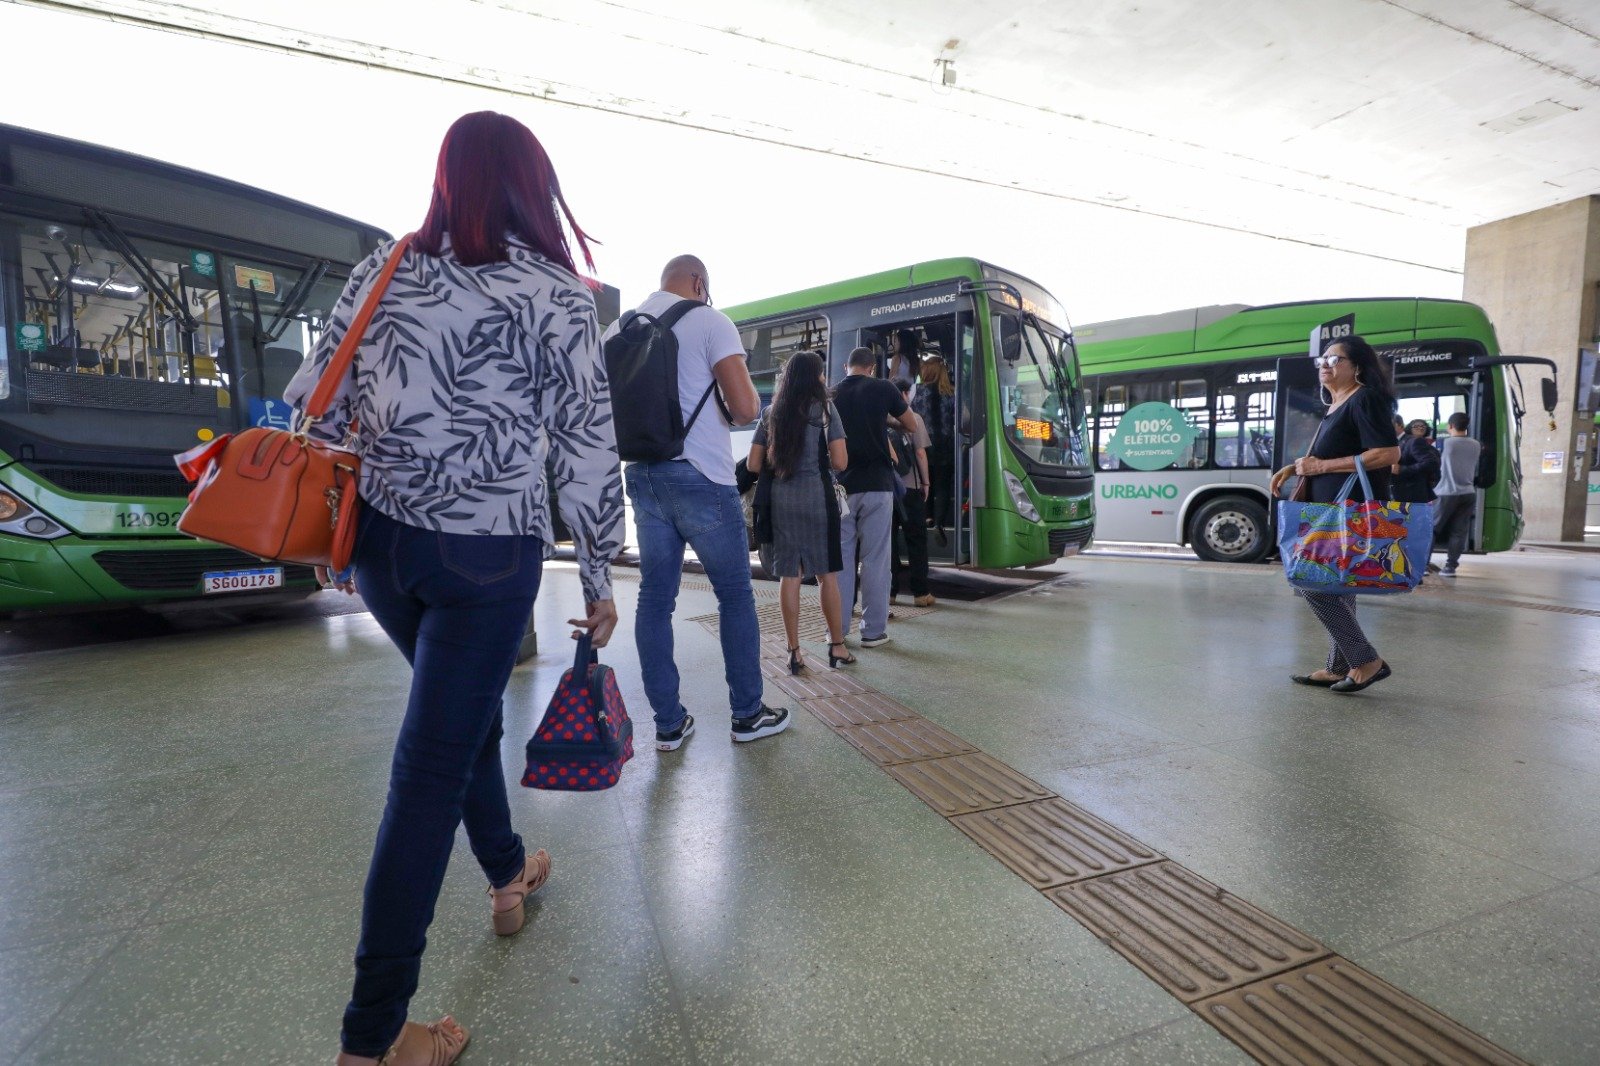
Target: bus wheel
[[1230, 529]]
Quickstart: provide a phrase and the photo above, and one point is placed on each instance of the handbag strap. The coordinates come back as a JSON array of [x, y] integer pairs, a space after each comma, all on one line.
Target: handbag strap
[[339, 366]]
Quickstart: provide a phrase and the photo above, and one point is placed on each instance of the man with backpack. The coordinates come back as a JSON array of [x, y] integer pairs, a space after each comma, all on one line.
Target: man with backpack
[[667, 361], [866, 404]]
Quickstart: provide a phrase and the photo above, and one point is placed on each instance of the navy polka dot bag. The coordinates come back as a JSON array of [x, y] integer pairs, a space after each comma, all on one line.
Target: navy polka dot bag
[[585, 736]]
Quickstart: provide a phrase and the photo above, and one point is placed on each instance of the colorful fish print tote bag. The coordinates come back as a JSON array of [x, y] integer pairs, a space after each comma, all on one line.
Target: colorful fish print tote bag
[[1355, 546]]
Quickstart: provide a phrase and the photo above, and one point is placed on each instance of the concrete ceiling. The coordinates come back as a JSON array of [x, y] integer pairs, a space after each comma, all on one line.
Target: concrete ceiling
[[1382, 127]]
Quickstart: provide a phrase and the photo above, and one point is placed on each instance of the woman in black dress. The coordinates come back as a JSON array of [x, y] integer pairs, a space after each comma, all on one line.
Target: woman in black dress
[[1356, 429], [798, 445]]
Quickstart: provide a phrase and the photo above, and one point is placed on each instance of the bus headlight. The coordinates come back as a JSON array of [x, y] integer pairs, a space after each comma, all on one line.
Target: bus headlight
[[1019, 496], [19, 516]]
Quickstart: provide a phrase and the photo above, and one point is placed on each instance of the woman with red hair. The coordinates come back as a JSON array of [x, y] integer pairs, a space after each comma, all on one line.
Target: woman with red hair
[[480, 365]]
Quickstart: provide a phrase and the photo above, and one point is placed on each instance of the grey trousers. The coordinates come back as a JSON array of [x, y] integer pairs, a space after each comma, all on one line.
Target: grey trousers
[[1347, 645], [869, 526]]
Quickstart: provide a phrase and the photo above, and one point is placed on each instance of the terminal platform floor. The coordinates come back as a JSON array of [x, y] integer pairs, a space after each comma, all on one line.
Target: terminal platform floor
[[185, 823]]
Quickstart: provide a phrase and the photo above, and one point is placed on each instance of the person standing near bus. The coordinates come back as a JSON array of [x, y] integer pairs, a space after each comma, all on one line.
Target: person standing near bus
[[797, 447], [910, 514], [1356, 429], [487, 298], [693, 501], [865, 405], [1418, 468], [905, 362], [935, 404], [1458, 496]]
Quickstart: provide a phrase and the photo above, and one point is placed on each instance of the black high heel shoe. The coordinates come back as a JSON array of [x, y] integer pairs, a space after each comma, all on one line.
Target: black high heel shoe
[[796, 663], [836, 661]]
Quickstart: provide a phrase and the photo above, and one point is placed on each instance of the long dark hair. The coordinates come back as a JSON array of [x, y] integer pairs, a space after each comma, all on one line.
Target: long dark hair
[[494, 178], [800, 388], [1372, 370]]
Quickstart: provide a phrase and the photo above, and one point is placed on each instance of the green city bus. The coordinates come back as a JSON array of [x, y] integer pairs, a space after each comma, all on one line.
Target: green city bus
[[1022, 487], [143, 308], [1218, 380]]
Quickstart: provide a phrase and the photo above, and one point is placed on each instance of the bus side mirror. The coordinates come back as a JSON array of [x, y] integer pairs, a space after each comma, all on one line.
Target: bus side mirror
[[1547, 387]]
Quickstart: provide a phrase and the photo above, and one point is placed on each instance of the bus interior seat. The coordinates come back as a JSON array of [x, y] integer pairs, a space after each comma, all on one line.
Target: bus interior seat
[[62, 357]]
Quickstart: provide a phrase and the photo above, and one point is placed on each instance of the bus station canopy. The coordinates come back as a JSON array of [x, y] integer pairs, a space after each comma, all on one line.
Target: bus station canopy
[[1384, 127]]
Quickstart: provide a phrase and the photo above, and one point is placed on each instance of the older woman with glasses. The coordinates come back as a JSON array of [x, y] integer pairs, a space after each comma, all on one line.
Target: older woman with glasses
[[1356, 430]]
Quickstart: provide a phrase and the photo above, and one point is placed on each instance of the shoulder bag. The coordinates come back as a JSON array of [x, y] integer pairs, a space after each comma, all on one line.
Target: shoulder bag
[[278, 494], [827, 469]]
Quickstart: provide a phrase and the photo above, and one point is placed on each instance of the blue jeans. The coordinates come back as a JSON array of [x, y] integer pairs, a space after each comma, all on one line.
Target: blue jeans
[[456, 606], [675, 505]]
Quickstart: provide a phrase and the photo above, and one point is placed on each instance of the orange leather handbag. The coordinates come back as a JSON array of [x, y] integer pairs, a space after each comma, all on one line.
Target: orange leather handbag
[[277, 493]]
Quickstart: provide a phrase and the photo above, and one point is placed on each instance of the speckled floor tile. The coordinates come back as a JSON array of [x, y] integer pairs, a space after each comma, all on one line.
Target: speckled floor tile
[[583, 982], [1537, 814], [1344, 871], [1523, 975], [97, 856], [712, 783], [40, 979], [886, 937], [1185, 1042]]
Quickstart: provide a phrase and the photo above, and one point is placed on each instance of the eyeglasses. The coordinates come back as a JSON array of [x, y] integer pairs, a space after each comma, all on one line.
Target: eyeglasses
[[705, 287], [1326, 360]]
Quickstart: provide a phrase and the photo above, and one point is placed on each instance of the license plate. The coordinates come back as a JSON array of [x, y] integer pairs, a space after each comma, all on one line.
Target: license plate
[[241, 580]]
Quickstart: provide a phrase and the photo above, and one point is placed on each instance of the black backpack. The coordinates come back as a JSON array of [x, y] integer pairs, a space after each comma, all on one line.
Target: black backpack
[[642, 364], [900, 441]]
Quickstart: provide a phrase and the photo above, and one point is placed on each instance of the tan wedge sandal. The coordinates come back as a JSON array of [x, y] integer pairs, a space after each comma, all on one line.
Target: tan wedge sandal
[[506, 903], [439, 1043]]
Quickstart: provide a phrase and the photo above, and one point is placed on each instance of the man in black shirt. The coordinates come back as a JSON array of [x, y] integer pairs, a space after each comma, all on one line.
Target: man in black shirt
[[865, 405]]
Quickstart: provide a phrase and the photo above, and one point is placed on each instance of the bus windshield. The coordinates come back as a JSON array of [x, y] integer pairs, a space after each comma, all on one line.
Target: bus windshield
[[181, 336], [1041, 411]]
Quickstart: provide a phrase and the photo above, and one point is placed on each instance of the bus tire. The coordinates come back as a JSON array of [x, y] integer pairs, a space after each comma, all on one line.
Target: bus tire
[[1230, 529]]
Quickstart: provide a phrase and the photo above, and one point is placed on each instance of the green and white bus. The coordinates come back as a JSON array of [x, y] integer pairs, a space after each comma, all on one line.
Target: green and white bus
[[1190, 415], [1022, 485], [143, 308]]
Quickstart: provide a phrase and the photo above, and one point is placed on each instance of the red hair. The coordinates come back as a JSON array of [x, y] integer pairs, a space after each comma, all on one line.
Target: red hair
[[493, 180]]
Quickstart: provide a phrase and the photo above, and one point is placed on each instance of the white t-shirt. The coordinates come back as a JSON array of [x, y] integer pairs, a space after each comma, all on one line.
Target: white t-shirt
[[706, 336]]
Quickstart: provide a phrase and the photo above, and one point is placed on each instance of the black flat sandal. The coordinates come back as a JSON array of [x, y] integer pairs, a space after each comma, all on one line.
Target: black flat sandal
[[836, 661], [1317, 682], [1350, 684]]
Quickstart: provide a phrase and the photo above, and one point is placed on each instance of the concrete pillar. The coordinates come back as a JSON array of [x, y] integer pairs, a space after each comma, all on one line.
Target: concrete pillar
[[1537, 276]]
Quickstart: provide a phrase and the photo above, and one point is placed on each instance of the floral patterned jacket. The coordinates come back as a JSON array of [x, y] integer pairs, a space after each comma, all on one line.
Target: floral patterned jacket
[[467, 381]]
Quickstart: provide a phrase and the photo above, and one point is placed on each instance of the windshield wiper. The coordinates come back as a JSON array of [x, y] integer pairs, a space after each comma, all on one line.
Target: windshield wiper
[[292, 303], [170, 301]]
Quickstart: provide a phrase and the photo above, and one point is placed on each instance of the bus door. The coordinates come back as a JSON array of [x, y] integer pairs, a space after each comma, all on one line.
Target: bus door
[[948, 455], [1299, 408], [1433, 398]]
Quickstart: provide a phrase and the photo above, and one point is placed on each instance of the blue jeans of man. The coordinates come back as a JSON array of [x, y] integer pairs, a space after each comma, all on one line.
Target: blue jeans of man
[[869, 525], [674, 505], [456, 606]]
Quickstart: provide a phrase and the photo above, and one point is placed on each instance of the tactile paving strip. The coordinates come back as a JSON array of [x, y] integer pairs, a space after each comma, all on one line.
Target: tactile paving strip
[[909, 740], [1272, 990], [1053, 842], [856, 709], [964, 784], [1335, 1012], [1188, 935], [812, 684]]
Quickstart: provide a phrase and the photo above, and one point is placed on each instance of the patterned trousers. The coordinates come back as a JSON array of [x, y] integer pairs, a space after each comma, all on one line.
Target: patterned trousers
[[1347, 645]]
